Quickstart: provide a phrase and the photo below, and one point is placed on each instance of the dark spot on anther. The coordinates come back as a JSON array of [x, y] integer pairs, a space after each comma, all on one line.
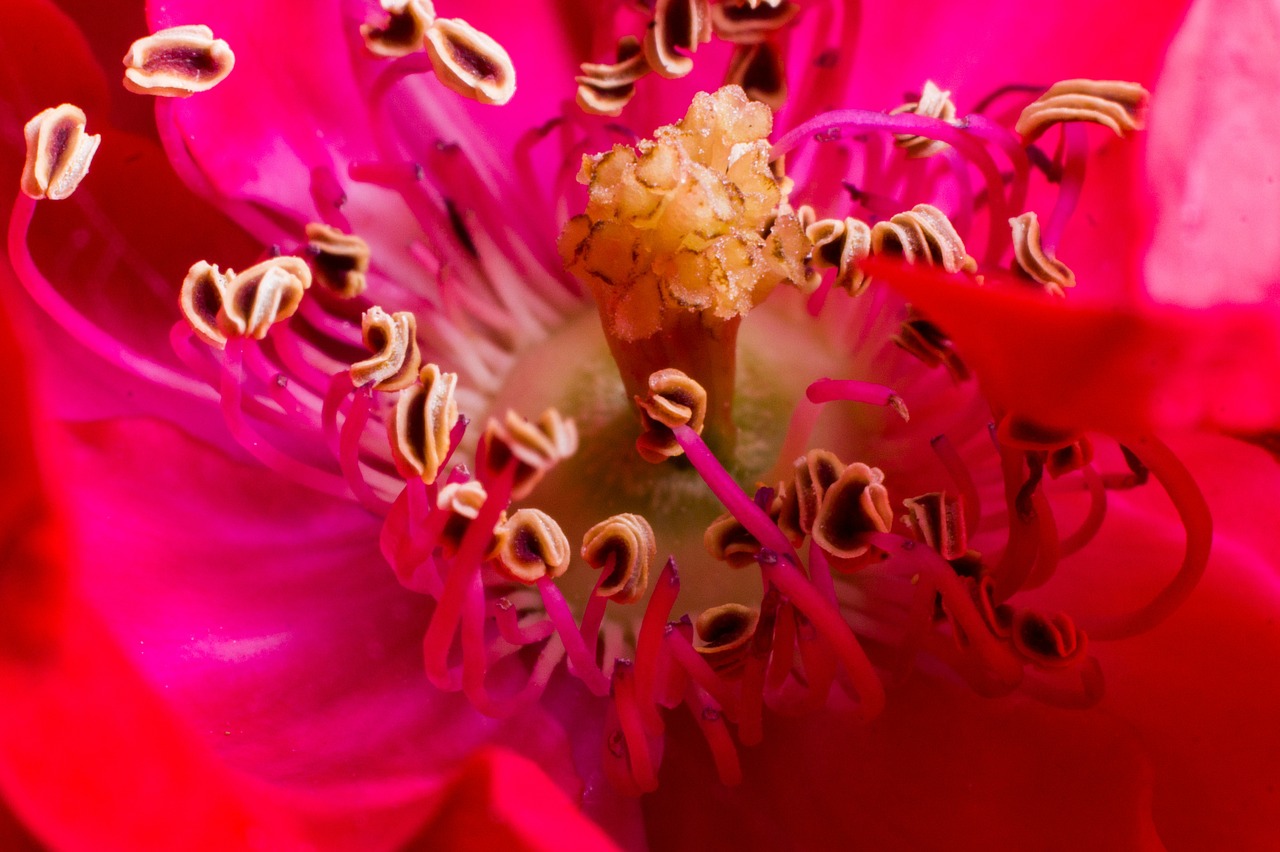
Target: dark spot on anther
[[190, 61], [460, 228], [474, 63], [827, 58]]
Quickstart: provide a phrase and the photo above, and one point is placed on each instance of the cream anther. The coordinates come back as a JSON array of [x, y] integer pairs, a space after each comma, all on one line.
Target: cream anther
[[470, 62], [58, 152], [263, 295], [393, 338], [177, 62], [425, 416]]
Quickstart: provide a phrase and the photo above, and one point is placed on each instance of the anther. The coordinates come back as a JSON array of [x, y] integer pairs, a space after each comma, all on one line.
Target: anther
[[724, 636], [934, 103], [470, 62], [58, 152], [939, 521], [856, 504], [405, 31], [263, 295], [1112, 103], [678, 27], [201, 299], [536, 446], [674, 400], [728, 540], [841, 245], [923, 234], [923, 339], [393, 338], [751, 24], [177, 62], [759, 70], [1033, 262], [1047, 641], [425, 415], [799, 500], [340, 260], [625, 546], [605, 89], [531, 545], [462, 501]]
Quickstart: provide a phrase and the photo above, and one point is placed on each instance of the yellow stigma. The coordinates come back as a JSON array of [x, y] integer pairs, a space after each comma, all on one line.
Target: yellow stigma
[[682, 236]]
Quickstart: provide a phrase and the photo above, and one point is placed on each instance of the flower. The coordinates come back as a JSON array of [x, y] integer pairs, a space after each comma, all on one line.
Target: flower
[[265, 669]]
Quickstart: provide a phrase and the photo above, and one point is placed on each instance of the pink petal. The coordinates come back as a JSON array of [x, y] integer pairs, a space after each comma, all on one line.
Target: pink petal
[[1213, 162]]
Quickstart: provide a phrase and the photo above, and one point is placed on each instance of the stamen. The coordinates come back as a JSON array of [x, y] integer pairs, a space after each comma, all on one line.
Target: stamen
[[727, 540], [673, 400], [1048, 641], [678, 27], [751, 24], [800, 499], [649, 642], [200, 301], [606, 89], [340, 260], [1111, 103], [759, 70], [263, 295], [699, 671], [934, 103], [425, 416], [470, 62], [582, 660], [857, 503], [58, 152], [633, 730], [1093, 520], [939, 522], [724, 635], [1033, 262], [461, 502], [919, 336], [393, 338], [405, 31], [923, 234], [177, 62], [624, 547], [829, 390], [842, 245], [531, 546], [707, 713], [535, 447]]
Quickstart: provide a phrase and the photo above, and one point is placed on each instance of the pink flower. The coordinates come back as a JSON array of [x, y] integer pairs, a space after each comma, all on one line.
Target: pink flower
[[201, 640]]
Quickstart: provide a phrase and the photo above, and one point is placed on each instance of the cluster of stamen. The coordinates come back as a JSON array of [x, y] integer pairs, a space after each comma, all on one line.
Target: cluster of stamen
[[682, 237]]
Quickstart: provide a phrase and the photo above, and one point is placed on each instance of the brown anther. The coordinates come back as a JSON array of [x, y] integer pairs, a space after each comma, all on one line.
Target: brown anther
[[933, 103], [531, 546], [340, 260], [759, 70], [724, 635], [927, 342], [606, 89], [1047, 641], [58, 152], [751, 24], [1112, 103], [1069, 458], [855, 504], [939, 521], [922, 234], [263, 295], [462, 500], [177, 62], [470, 62], [727, 540], [842, 245], [404, 32], [674, 400], [1033, 262], [533, 446], [393, 338], [800, 499], [624, 546], [425, 415], [201, 299], [678, 27]]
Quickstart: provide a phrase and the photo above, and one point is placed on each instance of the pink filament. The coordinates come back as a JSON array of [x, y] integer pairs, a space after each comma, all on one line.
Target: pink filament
[[830, 390], [992, 133], [505, 616], [349, 453], [581, 658], [1019, 556], [827, 620], [1075, 152], [782, 660], [649, 640], [1093, 520], [963, 479], [593, 616], [624, 698], [710, 721], [1047, 542], [698, 669], [1193, 511]]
